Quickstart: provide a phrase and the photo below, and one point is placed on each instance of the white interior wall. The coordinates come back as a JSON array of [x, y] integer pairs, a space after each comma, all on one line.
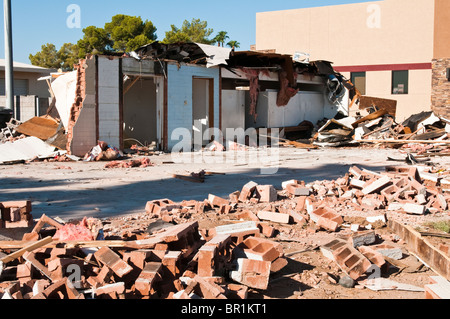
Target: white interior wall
[[233, 111], [108, 101]]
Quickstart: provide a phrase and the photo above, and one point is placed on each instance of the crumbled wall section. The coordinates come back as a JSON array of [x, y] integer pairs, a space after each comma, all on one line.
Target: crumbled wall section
[[441, 87], [78, 103], [85, 129]]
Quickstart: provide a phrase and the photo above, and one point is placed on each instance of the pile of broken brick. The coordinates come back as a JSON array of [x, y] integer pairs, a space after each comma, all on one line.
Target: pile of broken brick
[[176, 259]]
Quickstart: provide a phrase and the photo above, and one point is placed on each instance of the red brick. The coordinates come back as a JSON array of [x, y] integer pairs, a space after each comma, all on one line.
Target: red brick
[[327, 224], [58, 267], [252, 273], [137, 258], [54, 291], [19, 224], [149, 275], [31, 257], [24, 272], [25, 205], [266, 193], [298, 218], [217, 201], [375, 257], [266, 229], [376, 185], [327, 218], [154, 207], [209, 290], [247, 191], [278, 264], [71, 292], [247, 215], [171, 263], [206, 258], [225, 209], [301, 203], [116, 288], [261, 249], [108, 257], [234, 197], [105, 276], [274, 217], [235, 291]]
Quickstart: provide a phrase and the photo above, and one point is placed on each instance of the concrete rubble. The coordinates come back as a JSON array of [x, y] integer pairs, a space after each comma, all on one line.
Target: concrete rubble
[[173, 257]]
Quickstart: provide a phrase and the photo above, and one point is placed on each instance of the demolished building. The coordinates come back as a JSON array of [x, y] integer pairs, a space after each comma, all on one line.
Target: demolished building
[[145, 96]]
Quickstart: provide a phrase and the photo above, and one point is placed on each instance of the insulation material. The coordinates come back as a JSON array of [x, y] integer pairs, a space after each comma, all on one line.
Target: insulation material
[[253, 76], [64, 89], [286, 92]]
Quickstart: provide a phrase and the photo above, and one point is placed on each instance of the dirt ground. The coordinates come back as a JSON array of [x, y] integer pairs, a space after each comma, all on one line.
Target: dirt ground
[[73, 190]]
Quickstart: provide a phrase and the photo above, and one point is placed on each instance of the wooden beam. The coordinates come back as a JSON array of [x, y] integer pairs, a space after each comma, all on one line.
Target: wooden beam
[[131, 85], [416, 244], [188, 178], [52, 244], [26, 248]]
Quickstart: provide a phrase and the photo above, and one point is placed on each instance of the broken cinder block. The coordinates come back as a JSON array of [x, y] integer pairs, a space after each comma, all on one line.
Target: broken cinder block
[[350, 260], [252, 273]]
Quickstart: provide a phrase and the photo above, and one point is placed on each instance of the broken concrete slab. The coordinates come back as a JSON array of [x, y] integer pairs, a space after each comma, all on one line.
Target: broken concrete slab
[[378, 284], [439, 288]]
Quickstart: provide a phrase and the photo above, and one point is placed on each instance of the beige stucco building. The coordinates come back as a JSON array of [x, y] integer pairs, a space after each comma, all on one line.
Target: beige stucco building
[[394, 49]]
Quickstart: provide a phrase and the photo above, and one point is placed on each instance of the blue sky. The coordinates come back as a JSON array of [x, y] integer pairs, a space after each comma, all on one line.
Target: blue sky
[[44, 21]]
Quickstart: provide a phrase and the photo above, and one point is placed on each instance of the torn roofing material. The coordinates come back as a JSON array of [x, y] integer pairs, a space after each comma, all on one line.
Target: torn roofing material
[[25, 149], [64, 89], [185, 52]]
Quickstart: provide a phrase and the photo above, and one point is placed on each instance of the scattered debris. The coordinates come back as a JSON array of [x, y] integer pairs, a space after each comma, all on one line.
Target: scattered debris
[[169, 256], [138, 163], [103, 152]]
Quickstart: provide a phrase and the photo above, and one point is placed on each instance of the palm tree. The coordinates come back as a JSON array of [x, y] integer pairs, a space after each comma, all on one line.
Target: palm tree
[[221, 37], [234, 44]]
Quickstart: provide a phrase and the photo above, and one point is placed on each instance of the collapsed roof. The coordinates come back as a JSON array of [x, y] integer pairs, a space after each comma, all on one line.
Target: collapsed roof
[[209, 55]]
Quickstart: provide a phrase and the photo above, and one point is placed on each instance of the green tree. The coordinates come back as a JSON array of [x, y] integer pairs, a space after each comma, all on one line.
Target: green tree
[[47, 57], [68, 56], [94, 41], [194, 31], [220, 38], [128, 33], [234, 44]]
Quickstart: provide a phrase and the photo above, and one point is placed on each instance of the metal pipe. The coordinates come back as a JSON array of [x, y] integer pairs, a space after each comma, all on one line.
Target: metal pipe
[[9, 71]]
